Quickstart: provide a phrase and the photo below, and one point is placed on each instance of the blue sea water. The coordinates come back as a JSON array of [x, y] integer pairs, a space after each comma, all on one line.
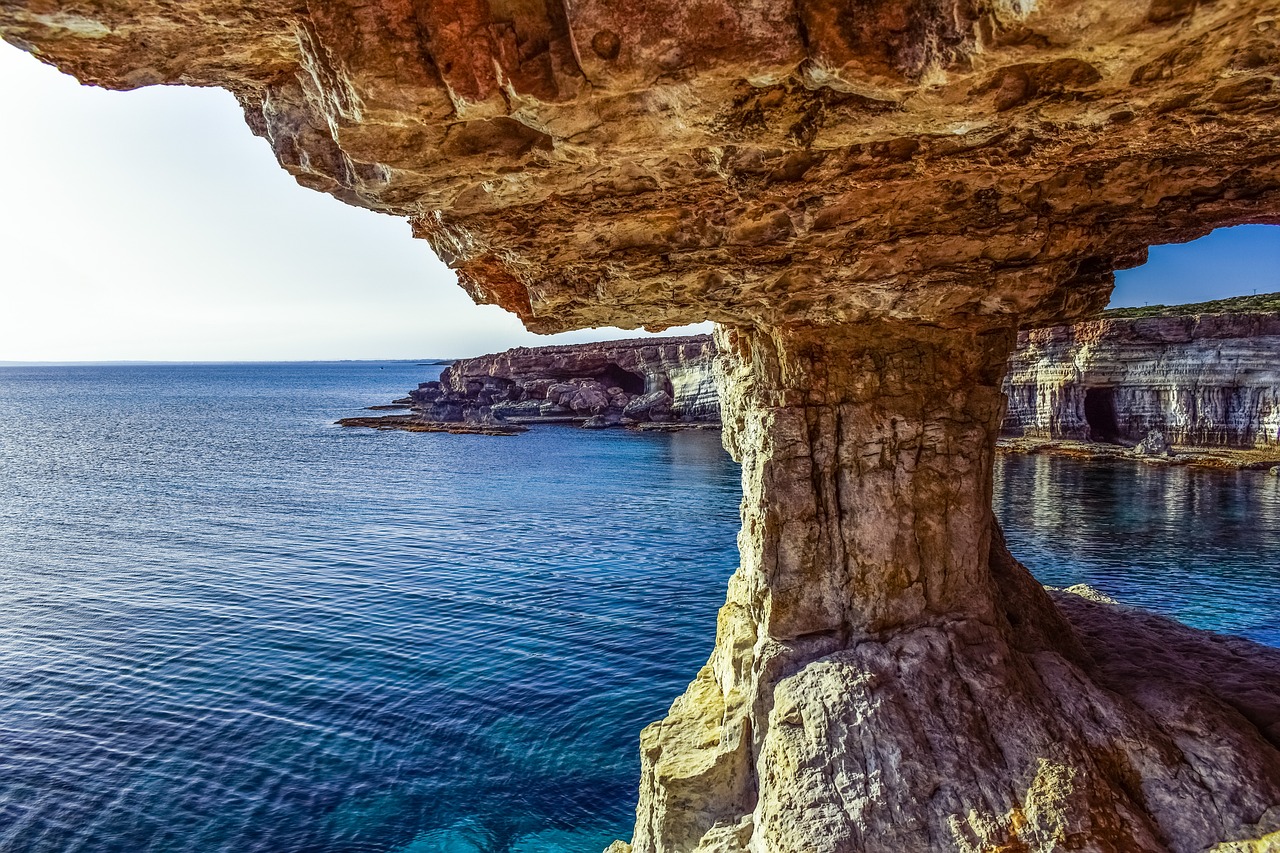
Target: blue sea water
[[228, 625]]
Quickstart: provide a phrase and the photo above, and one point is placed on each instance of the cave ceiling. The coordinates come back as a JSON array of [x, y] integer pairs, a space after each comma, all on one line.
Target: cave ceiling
[[653, 162]]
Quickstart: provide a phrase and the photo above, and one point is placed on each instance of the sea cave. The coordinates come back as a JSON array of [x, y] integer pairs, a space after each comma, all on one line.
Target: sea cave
[[871, 201]]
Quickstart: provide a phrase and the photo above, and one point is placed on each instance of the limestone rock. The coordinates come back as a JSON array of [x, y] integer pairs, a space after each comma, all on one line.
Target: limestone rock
[[655, 406], [662, 380], [1203, 380], [870, 198], [1155, 444], [655, 162], [589, 399], [521, 409], [886, 677]]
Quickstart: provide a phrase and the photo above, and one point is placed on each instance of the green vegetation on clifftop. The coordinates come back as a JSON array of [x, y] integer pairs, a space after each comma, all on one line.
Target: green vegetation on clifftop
[[1235, 305]]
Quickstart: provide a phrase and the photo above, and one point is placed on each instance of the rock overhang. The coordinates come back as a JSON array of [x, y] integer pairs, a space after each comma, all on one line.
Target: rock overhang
[[659, 163], [917, 176]]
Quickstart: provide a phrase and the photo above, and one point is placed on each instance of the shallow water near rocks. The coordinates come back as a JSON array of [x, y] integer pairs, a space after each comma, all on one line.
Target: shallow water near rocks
[[1198, 545], [227, 625]]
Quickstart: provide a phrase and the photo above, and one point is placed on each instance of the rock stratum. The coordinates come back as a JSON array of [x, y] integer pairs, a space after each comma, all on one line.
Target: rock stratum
[[870, 197], [1204, 380], [1199, 376]]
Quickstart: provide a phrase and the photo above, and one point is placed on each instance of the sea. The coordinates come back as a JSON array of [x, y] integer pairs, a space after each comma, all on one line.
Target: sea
[[227, 624]]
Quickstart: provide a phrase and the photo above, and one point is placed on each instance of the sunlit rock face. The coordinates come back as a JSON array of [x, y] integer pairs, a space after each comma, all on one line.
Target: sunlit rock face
[[659, 162], [886, 677], [1199, 380], [871, 197]]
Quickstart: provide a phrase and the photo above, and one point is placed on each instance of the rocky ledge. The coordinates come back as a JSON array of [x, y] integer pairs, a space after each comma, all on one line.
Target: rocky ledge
[[415, 423], [1152, 450]]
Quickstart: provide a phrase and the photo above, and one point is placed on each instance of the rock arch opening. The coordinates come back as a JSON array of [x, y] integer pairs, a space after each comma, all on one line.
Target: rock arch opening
[[1237, 263], [615, 376], [1100, 415]]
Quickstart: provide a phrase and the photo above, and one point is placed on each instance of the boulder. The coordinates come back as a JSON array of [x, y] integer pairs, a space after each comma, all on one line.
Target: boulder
[[522, 409], [655, 406], [549, 409], [1155, 444], [589, 399]]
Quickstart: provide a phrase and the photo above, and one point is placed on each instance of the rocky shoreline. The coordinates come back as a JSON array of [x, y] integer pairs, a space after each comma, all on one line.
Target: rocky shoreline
[[1202, 380], [1221, 458], [412, 423], [643, 384], [1195, 385]]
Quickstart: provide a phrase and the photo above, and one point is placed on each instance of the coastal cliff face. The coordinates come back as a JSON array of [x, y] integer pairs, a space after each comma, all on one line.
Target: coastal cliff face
[[667, 380], [870, 198], [1206, 380], [1199, 379]]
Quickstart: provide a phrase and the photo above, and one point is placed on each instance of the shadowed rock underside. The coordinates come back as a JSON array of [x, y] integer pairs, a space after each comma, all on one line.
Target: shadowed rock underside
[[653, 162], [871, 196]]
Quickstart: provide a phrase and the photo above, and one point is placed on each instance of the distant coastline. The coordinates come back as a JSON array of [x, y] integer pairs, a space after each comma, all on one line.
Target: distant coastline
[[1194, 384]]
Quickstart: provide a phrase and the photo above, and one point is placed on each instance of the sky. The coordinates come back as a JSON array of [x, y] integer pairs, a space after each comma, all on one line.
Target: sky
[[152, 225], [1236, 261]]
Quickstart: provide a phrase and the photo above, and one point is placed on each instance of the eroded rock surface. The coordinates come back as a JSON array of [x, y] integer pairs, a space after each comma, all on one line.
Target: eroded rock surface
[[665, 380], [1199, 380], [871, 197], [659, 162], [886, 677]]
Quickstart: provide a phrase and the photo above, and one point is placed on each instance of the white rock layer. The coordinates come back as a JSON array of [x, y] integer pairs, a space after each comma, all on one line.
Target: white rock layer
[[1201, 380]]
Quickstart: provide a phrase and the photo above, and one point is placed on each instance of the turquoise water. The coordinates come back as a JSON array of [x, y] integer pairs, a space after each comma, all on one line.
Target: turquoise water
[[231, 626]]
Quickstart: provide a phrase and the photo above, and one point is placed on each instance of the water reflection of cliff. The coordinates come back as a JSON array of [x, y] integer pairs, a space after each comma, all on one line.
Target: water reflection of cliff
[[1185, 542]]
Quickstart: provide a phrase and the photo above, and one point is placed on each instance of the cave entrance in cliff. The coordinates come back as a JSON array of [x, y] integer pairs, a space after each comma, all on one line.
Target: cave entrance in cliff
[[616, 377], [1100, 414]]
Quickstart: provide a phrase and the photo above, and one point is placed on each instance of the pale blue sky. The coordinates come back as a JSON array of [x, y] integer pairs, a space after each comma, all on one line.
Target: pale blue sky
[[152, 225]]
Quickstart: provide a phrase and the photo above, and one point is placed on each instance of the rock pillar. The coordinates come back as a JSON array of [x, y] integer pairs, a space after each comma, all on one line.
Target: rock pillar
[[885, 676]]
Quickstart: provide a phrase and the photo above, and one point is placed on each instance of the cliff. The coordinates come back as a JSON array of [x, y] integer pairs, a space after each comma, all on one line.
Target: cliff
[[869, 198], [1200, 379], [664, 380]]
